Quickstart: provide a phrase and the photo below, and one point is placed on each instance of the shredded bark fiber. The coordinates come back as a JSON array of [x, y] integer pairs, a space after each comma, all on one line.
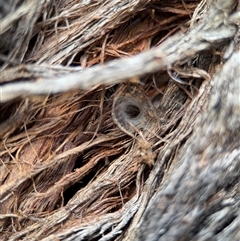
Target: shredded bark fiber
[[119, 120]]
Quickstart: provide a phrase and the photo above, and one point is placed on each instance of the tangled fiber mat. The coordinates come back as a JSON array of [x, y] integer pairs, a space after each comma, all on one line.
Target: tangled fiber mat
[[120, 120]]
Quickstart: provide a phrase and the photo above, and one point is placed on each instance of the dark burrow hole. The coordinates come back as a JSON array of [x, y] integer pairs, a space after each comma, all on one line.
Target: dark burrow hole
[[73, 189], [132, 111], [99, 167], [70, 191]]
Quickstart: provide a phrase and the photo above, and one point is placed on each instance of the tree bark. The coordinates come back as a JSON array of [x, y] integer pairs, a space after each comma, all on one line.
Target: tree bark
[[139, 148], [200, 200]]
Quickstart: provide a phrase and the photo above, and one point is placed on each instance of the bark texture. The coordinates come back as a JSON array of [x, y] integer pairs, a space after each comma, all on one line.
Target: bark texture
[[120, 120], [200, 198]]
